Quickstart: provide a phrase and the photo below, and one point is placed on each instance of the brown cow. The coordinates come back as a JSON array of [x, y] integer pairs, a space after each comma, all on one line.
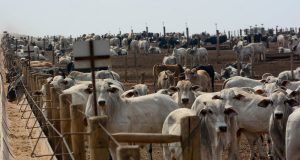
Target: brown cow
[[200, 78], [176, 69]]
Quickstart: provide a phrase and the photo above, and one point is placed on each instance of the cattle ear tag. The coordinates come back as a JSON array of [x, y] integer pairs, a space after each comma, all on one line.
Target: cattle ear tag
[[216, 97], [239, 96], [264, 103]]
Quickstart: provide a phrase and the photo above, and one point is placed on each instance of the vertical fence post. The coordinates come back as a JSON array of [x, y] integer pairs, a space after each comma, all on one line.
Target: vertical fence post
[[190, 141], [126, 68], [77, 126], [55, 116], [128, 152], [65, 124], [98, 139], [218, 46], [292, 64]]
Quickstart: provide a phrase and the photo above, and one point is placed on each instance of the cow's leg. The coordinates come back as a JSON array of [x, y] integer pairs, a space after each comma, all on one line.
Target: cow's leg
[[233, 153]]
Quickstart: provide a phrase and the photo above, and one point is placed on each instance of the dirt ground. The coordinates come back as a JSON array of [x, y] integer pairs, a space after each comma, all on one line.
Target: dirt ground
[[22, 146]]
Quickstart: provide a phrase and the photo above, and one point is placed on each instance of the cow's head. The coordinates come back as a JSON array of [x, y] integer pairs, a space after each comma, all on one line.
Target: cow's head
[[185, 91], [282, 104]]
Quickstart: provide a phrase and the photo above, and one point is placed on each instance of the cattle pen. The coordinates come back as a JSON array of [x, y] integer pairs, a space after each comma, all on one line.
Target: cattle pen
[[63, 125]]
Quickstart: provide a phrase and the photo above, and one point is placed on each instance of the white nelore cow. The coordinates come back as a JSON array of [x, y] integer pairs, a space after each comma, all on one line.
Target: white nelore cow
[[214, 124], [173, 151], [103, 74], [280, 41], [136, 91], [180, 54], [154, 50], [165, 79], [284, 50], [144, 114], [292, 142], [143, 46], [114, 42], [198, 55], [243, 52], [239, 81], [282, 105], [134, 46], [169, 60], [259, 49], [183, 93], [287, 75], [253, 117]]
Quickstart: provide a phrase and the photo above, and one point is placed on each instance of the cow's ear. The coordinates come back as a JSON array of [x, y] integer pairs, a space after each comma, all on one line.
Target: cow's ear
[[64, 82], [131, 94], [216, 97], [88, 90], [230, 112], [173, 89], [293, 94], [195, 87], [260, 91], [285, 83], [291, 102], [239, 97], [264, 103], [112, 89]]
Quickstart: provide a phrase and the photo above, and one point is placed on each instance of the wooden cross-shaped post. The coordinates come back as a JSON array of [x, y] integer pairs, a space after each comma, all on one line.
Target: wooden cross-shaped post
[[92, 59], [29, 54]]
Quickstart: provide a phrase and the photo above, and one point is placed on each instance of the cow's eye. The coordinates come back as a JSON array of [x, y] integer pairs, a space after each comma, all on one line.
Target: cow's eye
[[210, 111]]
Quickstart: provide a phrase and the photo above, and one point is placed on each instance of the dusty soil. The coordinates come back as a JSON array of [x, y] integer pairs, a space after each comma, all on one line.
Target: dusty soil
[[20, 145]]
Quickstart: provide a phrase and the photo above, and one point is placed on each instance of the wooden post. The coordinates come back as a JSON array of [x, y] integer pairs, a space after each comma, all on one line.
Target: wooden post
[[239, 64], [49, 110], [55, 116], [218, 47], [190, 141], [142, 80], [126, 67], [65, 124], [98, 139], [292, 64], [128, 152], [164, 31], [77, 125], [135, 67]]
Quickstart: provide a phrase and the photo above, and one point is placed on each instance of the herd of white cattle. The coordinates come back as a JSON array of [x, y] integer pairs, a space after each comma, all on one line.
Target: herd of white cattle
[[256, 108]]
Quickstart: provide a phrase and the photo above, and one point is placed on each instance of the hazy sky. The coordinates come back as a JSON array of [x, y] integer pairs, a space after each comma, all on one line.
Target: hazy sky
[[66, 17]]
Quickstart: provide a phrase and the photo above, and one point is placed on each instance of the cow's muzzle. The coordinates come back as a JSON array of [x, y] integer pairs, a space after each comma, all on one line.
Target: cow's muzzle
[[185, 100], [278, 115], [223, 128], [101, 103]]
